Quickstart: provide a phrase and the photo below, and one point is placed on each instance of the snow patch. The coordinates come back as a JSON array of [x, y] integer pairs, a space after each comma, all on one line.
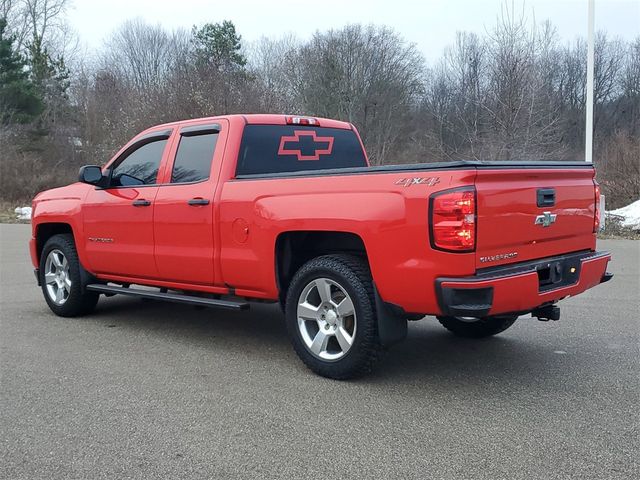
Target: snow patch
[[629, 215], [23, 213]]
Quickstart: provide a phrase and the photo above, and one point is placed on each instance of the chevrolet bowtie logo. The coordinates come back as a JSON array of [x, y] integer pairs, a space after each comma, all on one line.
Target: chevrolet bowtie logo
[[305, 145], [546, 219]]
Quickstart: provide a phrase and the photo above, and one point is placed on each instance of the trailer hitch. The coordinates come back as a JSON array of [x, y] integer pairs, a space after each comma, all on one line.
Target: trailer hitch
[[546, 313]]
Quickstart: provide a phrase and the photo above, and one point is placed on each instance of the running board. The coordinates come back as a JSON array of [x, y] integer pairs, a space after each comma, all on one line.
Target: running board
[[170, 297]]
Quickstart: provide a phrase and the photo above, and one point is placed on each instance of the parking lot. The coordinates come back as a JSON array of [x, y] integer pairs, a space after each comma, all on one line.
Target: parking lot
[[154, 390]]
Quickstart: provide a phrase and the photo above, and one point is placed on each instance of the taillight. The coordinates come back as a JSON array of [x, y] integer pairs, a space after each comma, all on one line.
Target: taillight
[[453, 219], [303, 121], [596, 219]]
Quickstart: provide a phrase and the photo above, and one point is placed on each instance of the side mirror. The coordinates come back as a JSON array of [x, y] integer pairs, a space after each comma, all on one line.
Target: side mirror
[[91, 174]]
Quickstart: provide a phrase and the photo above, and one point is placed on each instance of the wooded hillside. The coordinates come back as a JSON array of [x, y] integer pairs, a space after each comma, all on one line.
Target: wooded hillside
[[516, 92]]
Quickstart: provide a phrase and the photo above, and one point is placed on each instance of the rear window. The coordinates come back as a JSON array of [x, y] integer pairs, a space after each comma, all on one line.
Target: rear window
[[292, 148]]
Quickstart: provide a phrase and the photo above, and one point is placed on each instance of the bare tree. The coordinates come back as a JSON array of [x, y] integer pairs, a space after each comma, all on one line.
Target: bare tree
[[142, 55], [630, 89], [366, 75], [271, 62], [466, 64], [38, 20]]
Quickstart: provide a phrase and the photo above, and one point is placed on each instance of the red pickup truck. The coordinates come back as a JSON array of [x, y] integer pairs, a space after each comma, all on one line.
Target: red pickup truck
[[225, 210]]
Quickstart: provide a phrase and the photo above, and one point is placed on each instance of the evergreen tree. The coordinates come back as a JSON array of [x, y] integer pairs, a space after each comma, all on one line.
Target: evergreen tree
[[218, 45], [50, 77], [19, 99]]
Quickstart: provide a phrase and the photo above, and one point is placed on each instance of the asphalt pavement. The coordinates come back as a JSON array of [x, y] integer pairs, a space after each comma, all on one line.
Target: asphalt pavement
[[150, 390]]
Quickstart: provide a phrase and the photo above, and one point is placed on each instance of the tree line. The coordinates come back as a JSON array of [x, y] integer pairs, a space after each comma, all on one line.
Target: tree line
[[515, 92]]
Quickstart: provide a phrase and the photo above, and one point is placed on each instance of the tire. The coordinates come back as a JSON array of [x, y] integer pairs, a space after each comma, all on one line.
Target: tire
[[65, 293], [340, 341], [479, 327]]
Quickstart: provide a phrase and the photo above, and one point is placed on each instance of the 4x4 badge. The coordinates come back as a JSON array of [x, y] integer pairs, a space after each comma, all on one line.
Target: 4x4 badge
[[407, 182], [546, 219]]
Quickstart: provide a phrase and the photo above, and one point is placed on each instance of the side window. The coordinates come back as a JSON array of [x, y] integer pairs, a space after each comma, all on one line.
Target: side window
[[140, 167], [194, 157]]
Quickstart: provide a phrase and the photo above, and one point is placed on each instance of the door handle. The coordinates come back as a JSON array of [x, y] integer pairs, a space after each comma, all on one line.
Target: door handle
[[141, 203], [198, 201]]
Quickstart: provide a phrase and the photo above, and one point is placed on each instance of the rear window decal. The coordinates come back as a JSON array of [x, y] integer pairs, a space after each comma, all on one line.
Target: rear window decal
[[305, 145], [267, 149]]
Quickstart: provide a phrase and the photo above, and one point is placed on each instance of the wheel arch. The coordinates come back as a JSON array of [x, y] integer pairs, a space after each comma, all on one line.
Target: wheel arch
[[44, 231], [294, 248]]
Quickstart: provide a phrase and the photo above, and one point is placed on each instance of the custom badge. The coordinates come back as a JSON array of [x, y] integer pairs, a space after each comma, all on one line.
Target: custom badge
[[305, 145]]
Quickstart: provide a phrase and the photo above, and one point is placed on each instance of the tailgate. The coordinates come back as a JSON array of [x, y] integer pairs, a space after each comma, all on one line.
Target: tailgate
[[527, 213]]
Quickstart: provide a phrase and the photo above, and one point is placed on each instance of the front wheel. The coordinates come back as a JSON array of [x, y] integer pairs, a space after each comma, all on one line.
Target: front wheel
[[331, 317], [61, 277], [469, 327]]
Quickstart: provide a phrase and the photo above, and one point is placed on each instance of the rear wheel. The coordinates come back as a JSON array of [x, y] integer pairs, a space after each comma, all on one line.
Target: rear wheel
[[471, 327], [62, 276], [331, 318]]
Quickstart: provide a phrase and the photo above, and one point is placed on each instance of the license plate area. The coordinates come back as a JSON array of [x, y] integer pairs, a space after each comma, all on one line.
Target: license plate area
[[558, 274]]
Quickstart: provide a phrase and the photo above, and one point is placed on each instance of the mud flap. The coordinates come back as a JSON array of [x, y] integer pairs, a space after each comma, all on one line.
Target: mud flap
[[392, 327]]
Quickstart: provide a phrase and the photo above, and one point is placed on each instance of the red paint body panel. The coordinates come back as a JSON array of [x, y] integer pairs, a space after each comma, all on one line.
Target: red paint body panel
[[389, 218], [268, 119], [184, 234], [110, 215], [60, 205], [231, 242], [507, 210]]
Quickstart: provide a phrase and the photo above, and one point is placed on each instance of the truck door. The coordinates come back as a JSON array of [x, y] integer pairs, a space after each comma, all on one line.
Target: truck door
[[118, 219], [184, 224]]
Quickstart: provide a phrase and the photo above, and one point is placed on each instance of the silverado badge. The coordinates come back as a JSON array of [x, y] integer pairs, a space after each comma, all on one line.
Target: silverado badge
[[101, 240], [499, 256]]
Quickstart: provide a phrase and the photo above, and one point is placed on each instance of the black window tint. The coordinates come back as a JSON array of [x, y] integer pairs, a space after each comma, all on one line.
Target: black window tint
[[193, 159], [292, 148], [140, 167]]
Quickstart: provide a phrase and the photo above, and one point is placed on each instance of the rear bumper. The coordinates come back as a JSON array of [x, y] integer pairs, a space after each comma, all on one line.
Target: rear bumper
[[523, 287]]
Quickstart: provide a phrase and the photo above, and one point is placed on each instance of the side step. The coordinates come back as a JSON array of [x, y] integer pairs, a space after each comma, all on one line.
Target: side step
[[170, 297]]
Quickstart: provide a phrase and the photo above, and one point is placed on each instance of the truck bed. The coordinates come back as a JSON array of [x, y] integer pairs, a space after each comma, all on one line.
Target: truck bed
[[423, 167]]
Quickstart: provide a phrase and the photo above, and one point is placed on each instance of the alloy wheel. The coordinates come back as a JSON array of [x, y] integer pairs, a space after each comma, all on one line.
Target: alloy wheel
[[57, 278], [326, 319]]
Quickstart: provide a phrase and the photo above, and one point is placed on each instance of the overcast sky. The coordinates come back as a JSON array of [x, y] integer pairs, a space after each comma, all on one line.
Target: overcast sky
[[431, 24]]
